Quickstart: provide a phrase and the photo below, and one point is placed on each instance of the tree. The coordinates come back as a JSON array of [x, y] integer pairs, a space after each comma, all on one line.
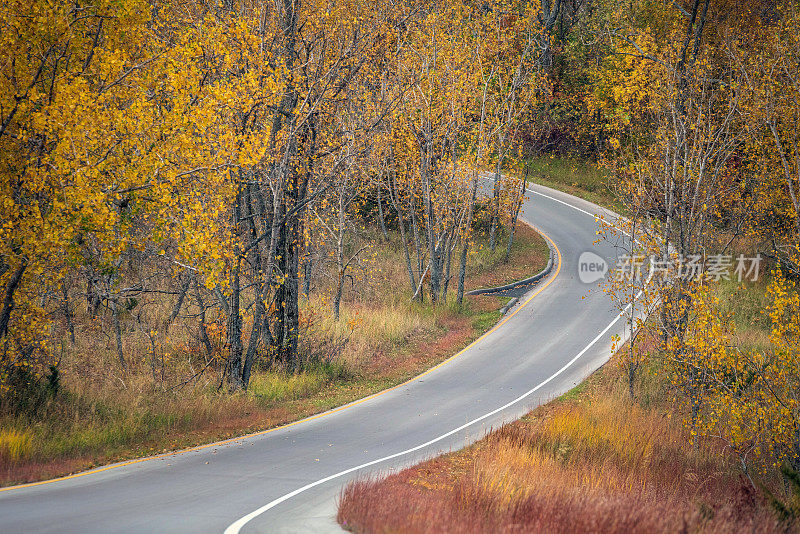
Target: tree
[[69, 127], [680, 110]]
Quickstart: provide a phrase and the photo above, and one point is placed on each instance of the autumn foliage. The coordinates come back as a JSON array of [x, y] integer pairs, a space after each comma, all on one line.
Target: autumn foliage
[[699, 122], [217, 160]]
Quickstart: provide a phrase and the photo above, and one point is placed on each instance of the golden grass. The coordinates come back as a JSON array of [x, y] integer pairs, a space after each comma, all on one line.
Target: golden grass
[[607, 445], [278, 386], [15, 445], [391, 323], [598, 464]]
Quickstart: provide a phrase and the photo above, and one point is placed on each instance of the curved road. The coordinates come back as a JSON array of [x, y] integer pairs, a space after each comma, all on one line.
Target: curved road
[[288, 479]]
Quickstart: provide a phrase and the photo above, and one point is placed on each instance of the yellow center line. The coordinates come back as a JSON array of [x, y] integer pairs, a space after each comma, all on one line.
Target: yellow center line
[[319, 415]]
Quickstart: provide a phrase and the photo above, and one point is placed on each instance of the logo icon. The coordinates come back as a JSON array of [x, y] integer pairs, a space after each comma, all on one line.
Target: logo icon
[[591, 267]]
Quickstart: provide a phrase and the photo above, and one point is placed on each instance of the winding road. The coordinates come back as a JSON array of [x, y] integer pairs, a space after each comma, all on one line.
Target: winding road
[[288, 479]]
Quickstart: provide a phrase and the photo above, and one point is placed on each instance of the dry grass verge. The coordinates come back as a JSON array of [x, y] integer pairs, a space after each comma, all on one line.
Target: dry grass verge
[[102, 415], [595, 460], [580, 178]]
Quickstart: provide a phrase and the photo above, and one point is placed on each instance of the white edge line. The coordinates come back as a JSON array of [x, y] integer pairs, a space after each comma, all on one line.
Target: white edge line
[[235, 527], [596, 217], [590, 214]]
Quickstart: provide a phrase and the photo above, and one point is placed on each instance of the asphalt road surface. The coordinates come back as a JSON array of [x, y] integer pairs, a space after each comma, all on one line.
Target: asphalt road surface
[[288, 479]]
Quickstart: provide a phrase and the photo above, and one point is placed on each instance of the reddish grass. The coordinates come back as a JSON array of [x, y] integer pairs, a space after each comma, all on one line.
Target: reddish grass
[[596, 463], [397, 505]]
